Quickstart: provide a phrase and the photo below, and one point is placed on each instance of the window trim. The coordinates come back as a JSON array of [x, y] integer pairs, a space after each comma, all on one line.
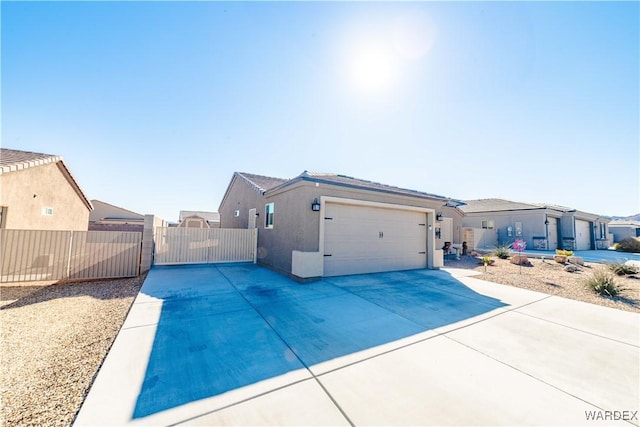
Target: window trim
[[269, 215], [487, 224]]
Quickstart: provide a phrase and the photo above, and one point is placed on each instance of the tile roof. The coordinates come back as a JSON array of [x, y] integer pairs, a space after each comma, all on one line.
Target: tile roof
[[555, 207], [497, 205], [348, 181], [265, 183], [259, 182], [14, 160], [123, 213], [491, 205], [624, 222]]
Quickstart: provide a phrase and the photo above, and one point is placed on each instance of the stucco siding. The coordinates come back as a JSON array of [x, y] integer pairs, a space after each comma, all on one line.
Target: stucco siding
[[302, 225], [240, 197], [621, 232], [532, 225], [25, 193], [296, 227], [104, 210]]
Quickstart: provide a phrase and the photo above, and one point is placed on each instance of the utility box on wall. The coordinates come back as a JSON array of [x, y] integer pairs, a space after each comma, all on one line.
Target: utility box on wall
[[540, 243], [569, 244]]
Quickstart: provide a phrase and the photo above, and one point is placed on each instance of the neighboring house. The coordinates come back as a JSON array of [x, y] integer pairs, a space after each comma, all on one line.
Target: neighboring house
[[327, 225], [543, 227], [621, 229], [107, 217], [39, 193], [199, 219]]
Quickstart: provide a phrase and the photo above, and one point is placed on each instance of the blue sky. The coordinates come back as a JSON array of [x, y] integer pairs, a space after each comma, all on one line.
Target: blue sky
[[153, 106]]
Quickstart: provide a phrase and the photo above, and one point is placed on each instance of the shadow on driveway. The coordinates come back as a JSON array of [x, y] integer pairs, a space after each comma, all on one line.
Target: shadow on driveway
[[223, 327]]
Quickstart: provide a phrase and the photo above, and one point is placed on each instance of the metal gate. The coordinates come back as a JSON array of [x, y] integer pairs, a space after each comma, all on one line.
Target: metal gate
[[175, 245], [29, 255]]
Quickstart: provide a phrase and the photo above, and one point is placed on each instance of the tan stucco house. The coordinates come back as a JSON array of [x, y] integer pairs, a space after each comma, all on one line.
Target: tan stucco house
[[320, 224], [490, 222], [624, 228], [38, 192], [108, 217]]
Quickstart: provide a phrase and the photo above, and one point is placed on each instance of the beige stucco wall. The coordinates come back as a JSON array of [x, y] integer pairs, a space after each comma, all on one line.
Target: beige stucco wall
[[105, 210], [297, 227], [240, 197], [26, 192]]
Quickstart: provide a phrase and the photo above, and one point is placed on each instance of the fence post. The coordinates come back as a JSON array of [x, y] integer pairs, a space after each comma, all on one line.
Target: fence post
[[69, 254], [255, 245], [148, 246]]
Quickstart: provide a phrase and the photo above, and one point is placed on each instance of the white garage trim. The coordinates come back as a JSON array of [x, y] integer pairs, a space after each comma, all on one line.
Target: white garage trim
[[430, 217]]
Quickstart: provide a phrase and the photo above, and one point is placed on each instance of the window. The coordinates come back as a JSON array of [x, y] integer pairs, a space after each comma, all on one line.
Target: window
[[603, 230], [518, 229], [269, 210], [488, 224], [47, 211]]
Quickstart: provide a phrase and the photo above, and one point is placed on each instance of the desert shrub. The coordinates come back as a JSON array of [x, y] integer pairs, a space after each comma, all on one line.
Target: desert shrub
[[630, 244], [486, 260], [502, 251], [622, 269], [563, 252], [603, 283]]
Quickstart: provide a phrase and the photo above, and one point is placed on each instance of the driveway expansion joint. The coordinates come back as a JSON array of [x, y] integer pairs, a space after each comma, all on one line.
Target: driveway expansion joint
[[524, 372], [291, 349]]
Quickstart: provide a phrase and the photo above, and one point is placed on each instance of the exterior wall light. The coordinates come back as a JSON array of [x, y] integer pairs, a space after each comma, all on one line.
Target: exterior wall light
[[315, 206], [439, 216]]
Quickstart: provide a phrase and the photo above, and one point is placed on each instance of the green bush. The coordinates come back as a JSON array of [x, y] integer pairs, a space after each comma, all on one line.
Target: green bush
[[502, 251], [603, 283], [622, 269], [630, 244], [486, 260]]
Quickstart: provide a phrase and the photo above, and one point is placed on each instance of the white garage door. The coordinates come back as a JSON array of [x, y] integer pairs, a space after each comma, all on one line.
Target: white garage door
[[583, 235], [365, 239]]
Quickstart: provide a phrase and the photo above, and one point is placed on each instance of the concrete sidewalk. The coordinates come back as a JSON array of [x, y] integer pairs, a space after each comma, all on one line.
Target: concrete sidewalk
[[241, 345]]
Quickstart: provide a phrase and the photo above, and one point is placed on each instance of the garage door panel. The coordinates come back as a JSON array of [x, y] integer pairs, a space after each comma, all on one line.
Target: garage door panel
[[364, 239], [553, 233], [583, 235]]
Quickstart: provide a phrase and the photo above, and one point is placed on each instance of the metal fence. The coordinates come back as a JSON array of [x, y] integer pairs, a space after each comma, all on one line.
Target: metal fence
[[204, 245], [29, 255]]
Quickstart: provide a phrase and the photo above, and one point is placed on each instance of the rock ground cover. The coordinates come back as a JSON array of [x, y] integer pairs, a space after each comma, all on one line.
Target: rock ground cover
[[53, 339], [550, 277]]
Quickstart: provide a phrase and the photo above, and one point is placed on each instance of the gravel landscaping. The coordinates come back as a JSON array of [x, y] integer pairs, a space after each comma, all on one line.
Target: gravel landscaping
[[54, 337], [549, 277]]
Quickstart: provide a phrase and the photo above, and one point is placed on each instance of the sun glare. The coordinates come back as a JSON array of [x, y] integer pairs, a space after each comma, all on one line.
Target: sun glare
[[373, 69], [378, 52]]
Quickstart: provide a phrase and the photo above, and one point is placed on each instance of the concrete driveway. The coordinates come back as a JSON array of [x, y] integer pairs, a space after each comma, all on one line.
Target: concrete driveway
[[239, 344]]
